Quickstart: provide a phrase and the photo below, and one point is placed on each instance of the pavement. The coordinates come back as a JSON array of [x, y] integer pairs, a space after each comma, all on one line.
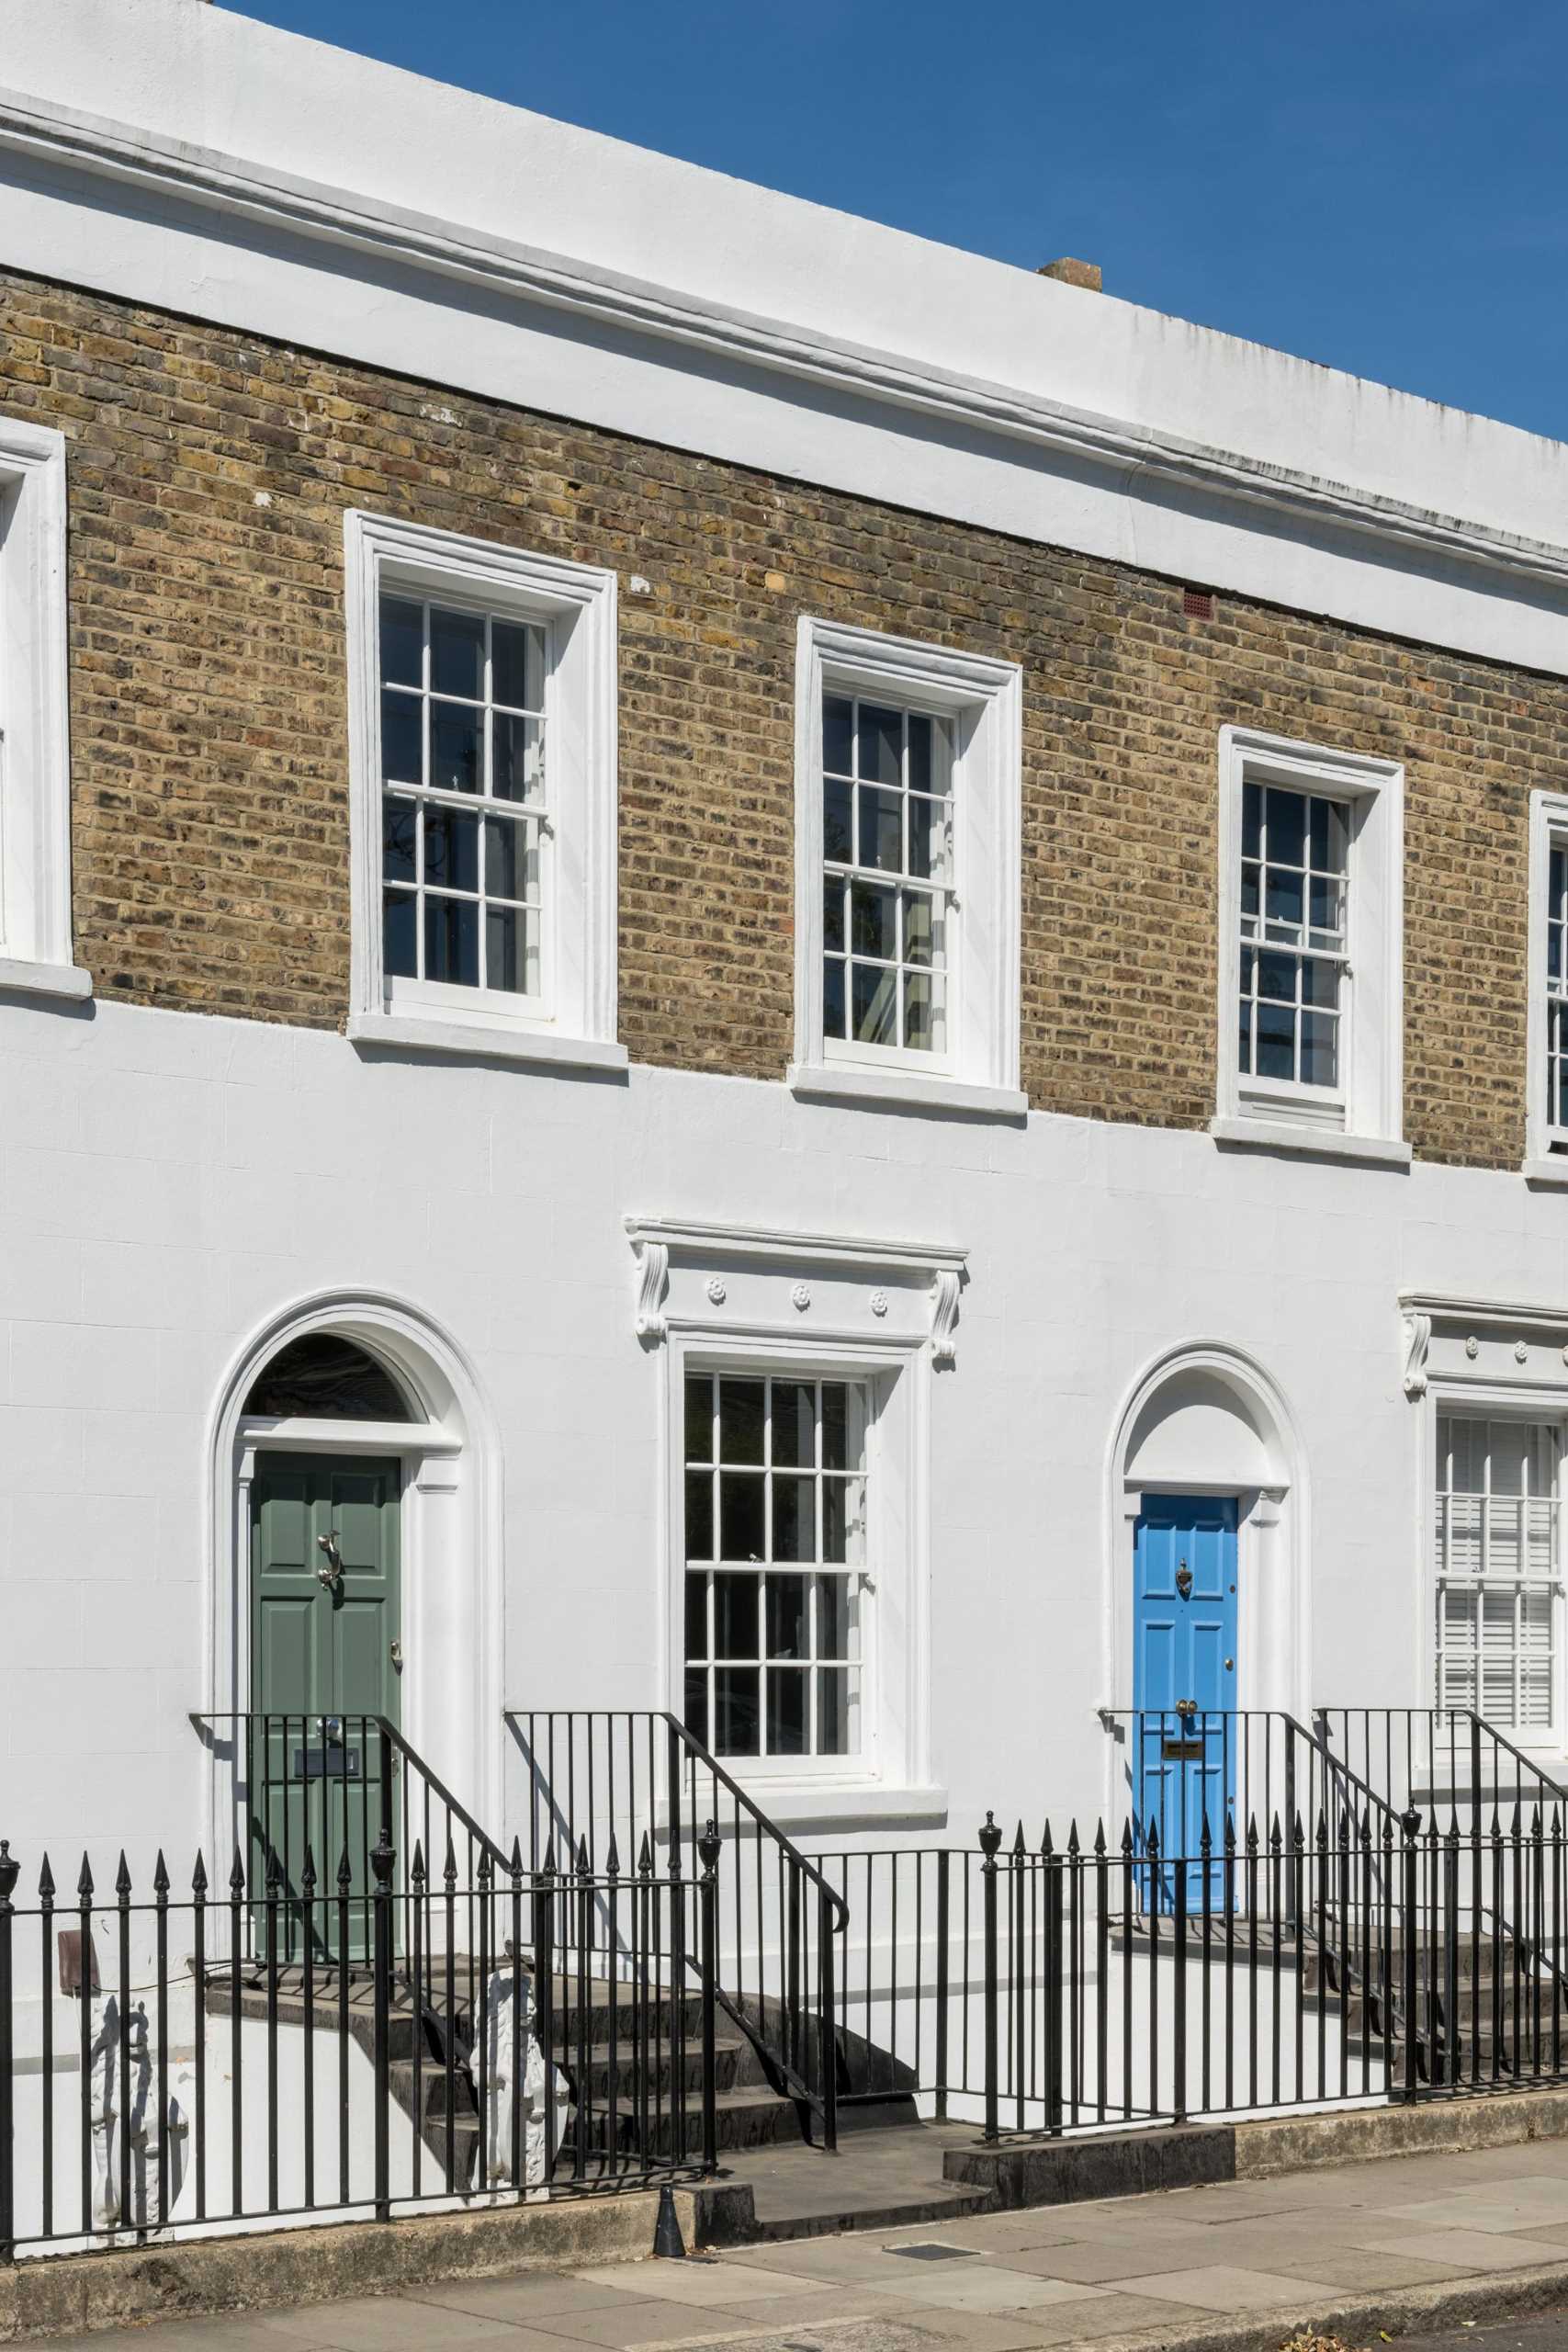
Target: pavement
[[1401, 2246]]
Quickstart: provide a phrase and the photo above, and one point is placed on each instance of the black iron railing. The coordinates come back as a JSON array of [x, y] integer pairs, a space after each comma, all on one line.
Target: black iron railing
[[604, 1783], [1448, 1761], [225, 2057], [1059, 1987]]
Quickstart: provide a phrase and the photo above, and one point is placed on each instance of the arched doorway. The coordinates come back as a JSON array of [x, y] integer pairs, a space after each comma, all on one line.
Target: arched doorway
[[325, 1601], [355, 1511], [1206, 1610]]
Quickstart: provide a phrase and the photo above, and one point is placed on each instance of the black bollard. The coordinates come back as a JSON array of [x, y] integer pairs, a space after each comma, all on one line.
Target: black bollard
[[667, 2238]]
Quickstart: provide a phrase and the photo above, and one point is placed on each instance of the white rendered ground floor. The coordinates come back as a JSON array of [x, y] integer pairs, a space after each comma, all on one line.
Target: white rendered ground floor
[[1039, 1327]]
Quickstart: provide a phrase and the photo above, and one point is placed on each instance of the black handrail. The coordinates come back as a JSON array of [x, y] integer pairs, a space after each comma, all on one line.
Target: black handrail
[[482, 1845], [594, 1781]]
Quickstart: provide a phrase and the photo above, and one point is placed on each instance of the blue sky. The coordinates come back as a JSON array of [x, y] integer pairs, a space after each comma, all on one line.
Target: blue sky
[[1378, 184]]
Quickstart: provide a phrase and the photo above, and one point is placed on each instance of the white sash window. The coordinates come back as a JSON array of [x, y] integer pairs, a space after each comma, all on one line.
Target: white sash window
[[1496, 1527]]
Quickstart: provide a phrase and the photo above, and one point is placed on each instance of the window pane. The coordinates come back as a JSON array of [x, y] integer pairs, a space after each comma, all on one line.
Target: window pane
[[835, 1425], [516, 664], [454, 748], [1251, 820], [402, 642], [1330, 836], [922, 929], [1243, 1048], [452, 941], [740, 1420], [736, 1729], [925, 1030], [1287, 827], [832, 1617], [451, 849], [512, 960], [795, 1423], [832, 912], [832, 1711], [873, 920], [881, 745], [1320, 1050], [874, 1005], [795, 1518], [696, 1616], [838, 723], [832, 999], [1325, 906], [517, 757], [1283, 899], [741, 1515], [789, 1623], [788, 1717], [1320, 980], [919, 777], [836, 842], [928, 839], [400, 827], [699, 1515], [1276, 978], [697, 1707], [402, 759], [456, 654], [1250, 890], [505, 859], [735, 1626], [1275, 1041], [699, 1417], [881, 843], [400, 933], [836, 1519]]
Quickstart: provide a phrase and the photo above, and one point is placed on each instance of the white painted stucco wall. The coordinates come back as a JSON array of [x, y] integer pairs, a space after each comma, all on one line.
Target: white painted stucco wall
[[169, 1184]]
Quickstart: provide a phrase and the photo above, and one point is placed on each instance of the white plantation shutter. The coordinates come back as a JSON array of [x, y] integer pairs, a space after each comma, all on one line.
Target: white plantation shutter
[[1496, 1542]]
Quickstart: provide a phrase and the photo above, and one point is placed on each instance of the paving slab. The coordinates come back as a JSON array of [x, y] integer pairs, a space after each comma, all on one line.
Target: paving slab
[[1456, 2249], [1216, 2287]]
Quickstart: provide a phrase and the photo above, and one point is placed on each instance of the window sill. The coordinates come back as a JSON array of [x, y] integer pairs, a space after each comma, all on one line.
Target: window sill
[[1309, 1143], [484, 1041], [791, 1806], [1550, 1173], [68, 981], [904, 1090]]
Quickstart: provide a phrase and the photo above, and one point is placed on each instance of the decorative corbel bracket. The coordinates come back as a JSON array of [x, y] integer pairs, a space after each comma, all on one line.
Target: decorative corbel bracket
[[1417, 1342], [944, 1316], [653, 1268]]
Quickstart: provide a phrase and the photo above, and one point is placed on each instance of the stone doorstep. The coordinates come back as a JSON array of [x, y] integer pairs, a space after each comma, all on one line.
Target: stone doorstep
[[1137, 2163]]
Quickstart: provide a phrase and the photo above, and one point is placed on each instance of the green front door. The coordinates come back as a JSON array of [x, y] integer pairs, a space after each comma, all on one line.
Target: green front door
[[324, 1627]]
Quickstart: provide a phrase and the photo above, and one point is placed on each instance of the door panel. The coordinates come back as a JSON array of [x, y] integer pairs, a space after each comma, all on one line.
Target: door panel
[[1184, 1681], [321, 1664]]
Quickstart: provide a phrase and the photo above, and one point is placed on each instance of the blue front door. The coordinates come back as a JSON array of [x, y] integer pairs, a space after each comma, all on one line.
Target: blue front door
[[1184, 1683]]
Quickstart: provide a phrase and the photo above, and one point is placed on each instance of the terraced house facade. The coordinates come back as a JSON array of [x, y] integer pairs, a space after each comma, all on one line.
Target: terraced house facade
[[749, 971]]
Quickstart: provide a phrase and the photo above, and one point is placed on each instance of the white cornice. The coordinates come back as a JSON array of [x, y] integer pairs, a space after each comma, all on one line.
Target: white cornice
[[1444, 1310], [689, 1238], [225, 184]]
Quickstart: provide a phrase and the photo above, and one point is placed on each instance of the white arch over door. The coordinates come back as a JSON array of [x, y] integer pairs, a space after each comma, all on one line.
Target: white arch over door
[[1206, 1418], [453, 1597]]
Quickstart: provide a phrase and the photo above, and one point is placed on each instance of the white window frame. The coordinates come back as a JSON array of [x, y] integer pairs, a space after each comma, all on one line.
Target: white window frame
[[1446, 1405], [36, 957], [881, 1520], [574, 1021], [1546, 1146], [983, 698], [1363, 1117]]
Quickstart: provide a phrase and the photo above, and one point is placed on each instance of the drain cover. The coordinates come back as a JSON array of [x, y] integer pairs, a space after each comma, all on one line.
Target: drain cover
[[928, 2250]]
